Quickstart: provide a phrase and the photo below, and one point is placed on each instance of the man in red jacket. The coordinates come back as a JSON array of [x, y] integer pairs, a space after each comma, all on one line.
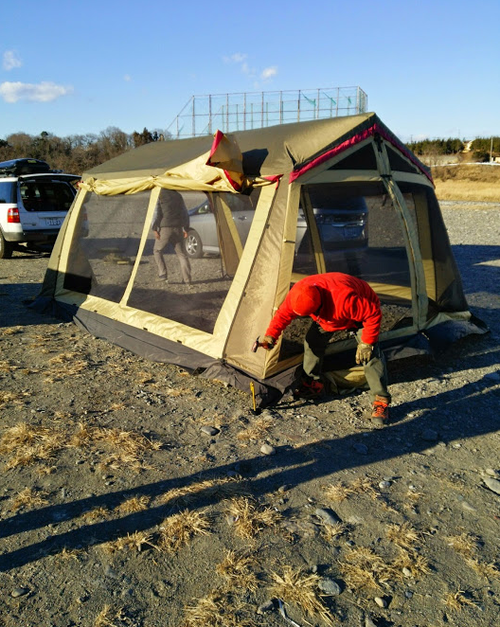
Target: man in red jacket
[[335, 302]]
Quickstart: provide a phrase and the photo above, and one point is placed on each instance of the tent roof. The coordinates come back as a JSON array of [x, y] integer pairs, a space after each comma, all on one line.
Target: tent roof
[[266, 151]]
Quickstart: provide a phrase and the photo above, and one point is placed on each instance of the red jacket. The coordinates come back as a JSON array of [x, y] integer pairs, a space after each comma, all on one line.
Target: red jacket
[[345, 301]]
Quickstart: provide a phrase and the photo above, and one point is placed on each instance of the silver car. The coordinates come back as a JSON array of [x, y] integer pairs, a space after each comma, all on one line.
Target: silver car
[[202, 233], [342, 228]]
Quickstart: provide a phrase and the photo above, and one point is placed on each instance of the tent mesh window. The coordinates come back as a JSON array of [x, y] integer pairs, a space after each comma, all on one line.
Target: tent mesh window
[[218, 228], [359, 232], [385, 265], [443, 281], [105, 244]]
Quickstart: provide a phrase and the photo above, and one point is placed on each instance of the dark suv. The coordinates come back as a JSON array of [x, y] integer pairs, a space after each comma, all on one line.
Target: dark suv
[[34, 201]]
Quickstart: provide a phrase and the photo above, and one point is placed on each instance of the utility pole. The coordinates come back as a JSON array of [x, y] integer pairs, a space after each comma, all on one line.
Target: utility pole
[[491, 150]]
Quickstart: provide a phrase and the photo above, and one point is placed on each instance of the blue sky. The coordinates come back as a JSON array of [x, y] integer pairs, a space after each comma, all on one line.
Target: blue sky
[[429, 68]]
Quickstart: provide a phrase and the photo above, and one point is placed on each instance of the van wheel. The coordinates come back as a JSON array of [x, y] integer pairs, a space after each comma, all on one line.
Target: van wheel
[[194, 246], [6, 248]]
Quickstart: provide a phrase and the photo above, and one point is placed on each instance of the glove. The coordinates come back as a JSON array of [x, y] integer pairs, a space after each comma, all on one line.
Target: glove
[[268, 342], [363, 353]]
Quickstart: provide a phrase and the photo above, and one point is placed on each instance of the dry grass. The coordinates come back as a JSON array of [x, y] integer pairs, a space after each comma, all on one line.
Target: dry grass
[[467, 546], [341, 491], [117, 406], [27, 444], [177, 391], [63, 358], [69, 554], [236, 568], [301, 590], [178, 530], [363, 568], [416, 563], [257, 430], [412, 500], [65, 365], [249, 518], [133, 505], [458, 601], [46, 470], [464, 544], [11, 330], [83, 436], [332, 532], [144, 377], [6, 366], [465, 191], [28, 498], [479, 182], [222, 487], [403, 535], [112, 617], [124, 448], [216, 610], [131, 542], [62, 415], [95, 514], [485, 569], [12, 398]]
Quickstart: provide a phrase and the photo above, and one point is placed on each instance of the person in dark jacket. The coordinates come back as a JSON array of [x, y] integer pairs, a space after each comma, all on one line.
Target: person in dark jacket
[[336, 302], [170, 225]]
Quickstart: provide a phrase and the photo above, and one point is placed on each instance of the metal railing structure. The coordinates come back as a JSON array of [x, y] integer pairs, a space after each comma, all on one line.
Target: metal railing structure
[[203, 115]]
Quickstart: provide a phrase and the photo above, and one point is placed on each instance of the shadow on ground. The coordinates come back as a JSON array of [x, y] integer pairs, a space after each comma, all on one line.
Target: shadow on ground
[[454, 415]]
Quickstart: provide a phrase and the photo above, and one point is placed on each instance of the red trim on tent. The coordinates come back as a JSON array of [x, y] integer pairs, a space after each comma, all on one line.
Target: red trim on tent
[[233, 183], [218, 137], [352, 141], [273, 179], [217, 140]]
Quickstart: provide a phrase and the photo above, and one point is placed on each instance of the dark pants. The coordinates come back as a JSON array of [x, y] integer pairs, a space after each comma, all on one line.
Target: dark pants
[[315, 346], [174, 236]]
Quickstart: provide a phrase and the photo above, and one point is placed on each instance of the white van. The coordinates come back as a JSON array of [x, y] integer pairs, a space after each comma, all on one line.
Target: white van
[[34, 201]]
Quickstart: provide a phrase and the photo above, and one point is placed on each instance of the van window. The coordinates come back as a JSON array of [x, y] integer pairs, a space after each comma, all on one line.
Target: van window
[[7, 192]]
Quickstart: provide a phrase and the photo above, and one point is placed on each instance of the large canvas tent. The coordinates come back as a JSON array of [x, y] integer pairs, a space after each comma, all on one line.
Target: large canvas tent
[[285, 183]]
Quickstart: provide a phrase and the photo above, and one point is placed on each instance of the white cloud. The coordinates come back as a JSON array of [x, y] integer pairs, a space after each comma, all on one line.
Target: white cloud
[[127, 78], [237, 57], [43, 92], [240, 59], [11, 60], [268, 73]]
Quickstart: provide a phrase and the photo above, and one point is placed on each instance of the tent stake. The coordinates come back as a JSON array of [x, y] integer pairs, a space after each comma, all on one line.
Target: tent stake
[[254, 405]]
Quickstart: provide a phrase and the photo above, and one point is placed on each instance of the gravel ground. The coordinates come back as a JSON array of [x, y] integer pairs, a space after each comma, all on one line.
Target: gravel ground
[[134, 494]]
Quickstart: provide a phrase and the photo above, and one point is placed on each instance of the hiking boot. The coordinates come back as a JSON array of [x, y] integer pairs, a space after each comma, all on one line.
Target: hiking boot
[[380, 412], [162, 279], [309, 389]]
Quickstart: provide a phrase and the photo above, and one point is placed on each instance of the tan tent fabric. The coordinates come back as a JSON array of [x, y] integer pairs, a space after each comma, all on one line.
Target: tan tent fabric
[[261, 190]]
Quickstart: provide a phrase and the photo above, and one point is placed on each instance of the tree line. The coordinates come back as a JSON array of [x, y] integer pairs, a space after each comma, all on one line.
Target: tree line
[[79, 153], [76, 153], [479, 148]]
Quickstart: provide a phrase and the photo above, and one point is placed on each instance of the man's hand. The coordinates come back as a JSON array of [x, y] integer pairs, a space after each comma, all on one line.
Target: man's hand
[[157, 234], [363, 353], [268, 342], [185, 233]]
